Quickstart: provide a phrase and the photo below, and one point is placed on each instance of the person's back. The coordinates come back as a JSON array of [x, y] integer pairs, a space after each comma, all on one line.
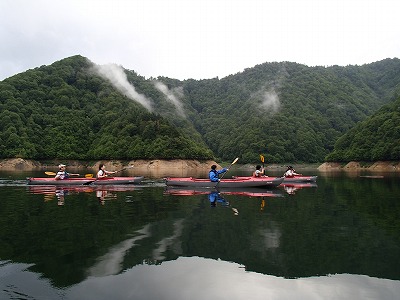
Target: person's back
[[213, 175], [258, 172]]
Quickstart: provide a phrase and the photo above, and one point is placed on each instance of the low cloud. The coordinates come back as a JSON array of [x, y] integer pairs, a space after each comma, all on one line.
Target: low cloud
[[270, 101], [172, 95], [117, 77]]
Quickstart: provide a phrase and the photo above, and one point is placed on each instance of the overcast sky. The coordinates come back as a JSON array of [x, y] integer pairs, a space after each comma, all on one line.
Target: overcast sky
[[197, 39]]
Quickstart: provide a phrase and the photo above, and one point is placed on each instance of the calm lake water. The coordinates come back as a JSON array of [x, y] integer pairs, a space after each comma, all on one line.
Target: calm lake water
[[339, 239]]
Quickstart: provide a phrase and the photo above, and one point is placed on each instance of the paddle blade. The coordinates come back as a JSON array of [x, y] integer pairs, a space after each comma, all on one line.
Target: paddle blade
[[50, 173], [234, 162], [262, 158], [88, 175]]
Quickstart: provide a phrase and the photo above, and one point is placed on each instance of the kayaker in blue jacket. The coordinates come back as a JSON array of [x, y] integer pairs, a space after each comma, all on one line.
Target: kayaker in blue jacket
[[214, 174]]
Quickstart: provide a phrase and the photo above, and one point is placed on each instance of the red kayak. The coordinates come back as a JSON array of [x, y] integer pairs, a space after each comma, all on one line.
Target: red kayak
[[249, 192], [84, 181], [300, 179], [235, 182]]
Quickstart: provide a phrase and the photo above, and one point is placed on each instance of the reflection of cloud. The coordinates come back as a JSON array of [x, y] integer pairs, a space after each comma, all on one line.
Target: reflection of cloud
[[169, 241], [271, 237], [116, 75], [172, 95], [196, 279], [111, 262]]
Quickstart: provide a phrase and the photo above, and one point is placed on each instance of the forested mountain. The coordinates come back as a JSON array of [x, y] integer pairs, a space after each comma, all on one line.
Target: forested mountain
[[376, 138], [67, 111], [286, 111]]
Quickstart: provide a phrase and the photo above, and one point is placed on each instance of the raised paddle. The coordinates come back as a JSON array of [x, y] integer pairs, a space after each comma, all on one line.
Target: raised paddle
[[234, 162], [262, 160], [91, 182]]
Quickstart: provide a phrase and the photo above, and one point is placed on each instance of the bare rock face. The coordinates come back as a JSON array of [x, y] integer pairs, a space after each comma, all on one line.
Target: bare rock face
[[18, 164], [330, 166]]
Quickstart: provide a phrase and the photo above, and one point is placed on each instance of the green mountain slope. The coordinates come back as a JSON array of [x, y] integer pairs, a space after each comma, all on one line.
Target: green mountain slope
[[68, 111], [286, 111], [376, 138]]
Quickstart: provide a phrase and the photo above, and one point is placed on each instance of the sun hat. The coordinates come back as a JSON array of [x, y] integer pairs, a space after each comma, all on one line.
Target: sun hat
[[61, 165]]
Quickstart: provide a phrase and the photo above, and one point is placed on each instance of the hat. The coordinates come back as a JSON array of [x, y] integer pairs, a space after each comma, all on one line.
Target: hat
[[61, 165]]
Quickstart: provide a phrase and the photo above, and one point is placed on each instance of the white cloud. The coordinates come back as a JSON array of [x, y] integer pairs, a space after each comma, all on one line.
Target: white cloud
[[117, 77], [197, 38], [172, 96]]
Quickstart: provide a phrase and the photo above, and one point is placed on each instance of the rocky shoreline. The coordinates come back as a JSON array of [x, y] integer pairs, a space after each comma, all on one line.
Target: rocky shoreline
[[26, 164], [180, 164], [378, 166]]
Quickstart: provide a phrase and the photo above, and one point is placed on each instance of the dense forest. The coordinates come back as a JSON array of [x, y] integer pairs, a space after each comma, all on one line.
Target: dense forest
[[376, 138], [74, 109]]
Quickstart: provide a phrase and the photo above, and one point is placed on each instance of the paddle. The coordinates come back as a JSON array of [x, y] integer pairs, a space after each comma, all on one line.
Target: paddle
[[236, 159], [91, 182], [54, 174], [262, 160]]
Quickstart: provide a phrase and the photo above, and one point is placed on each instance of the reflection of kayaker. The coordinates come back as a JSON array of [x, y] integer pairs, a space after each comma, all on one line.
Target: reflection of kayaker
[[215, 197], [60, 194]]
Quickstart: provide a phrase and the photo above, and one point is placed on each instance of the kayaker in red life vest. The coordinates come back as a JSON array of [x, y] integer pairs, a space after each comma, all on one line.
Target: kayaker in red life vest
[[102, 173], [62, 173], [290, 172], [259, 172], [214, 174]]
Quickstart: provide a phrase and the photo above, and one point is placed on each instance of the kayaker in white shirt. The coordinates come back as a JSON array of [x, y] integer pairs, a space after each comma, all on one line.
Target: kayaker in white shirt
[[259, 172], [62, 173], [290, 172], [102, 173]]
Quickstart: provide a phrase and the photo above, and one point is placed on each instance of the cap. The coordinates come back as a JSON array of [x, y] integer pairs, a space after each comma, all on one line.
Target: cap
[[61, 165]]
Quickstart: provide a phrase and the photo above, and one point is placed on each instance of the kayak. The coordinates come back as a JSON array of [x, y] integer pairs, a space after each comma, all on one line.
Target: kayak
[[235, 182], [84, 181], [300, 179], [249, 192]]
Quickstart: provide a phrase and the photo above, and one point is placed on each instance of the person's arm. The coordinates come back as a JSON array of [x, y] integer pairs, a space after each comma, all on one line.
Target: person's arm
[[222, 171]]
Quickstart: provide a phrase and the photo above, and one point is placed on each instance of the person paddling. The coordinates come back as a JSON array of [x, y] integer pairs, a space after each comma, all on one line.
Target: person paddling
[[213, 175], [102, 173], [259, 172], [62, 173], [290, 172]]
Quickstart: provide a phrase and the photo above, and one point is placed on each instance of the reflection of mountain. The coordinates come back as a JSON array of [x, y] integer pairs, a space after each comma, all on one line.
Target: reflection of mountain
[[317, 231]]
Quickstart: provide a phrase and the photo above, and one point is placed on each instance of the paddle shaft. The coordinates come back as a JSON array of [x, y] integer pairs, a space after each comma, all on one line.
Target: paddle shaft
[[236, 159]]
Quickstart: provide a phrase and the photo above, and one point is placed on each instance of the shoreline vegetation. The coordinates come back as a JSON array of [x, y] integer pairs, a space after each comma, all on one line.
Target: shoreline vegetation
[[146, 165]]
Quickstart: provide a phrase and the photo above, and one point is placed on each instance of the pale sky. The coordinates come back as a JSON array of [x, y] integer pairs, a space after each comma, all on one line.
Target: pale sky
[[197, 39]]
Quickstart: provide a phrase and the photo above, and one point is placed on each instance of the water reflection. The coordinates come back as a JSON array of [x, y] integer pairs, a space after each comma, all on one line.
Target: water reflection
[[103, 193], [196, 278], [156, 243], [292, 188]]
